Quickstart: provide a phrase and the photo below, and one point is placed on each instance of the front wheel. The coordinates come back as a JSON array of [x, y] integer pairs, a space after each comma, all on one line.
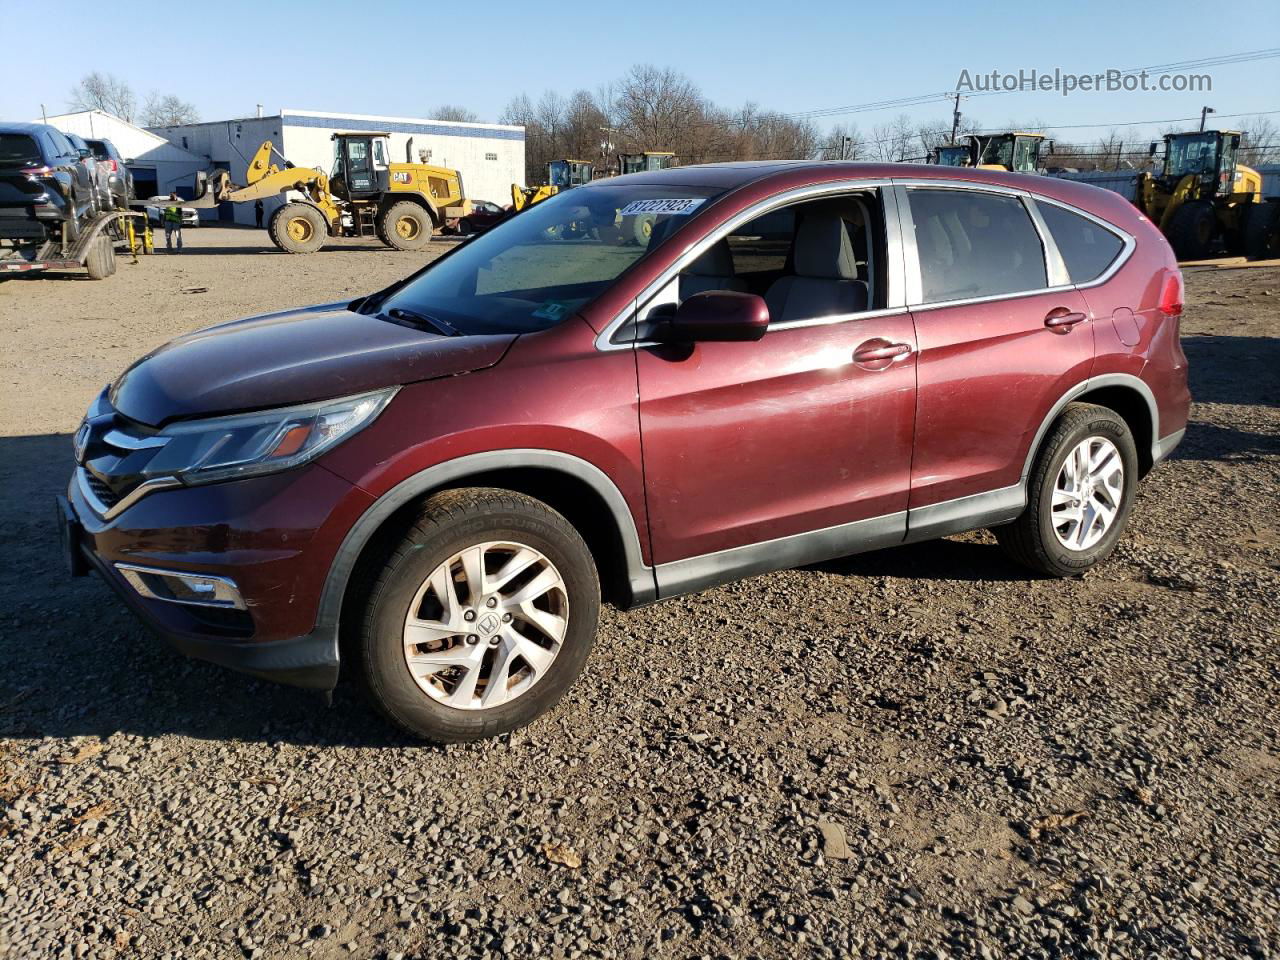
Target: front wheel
[[297, 228], [481, 617], [1079, 494]]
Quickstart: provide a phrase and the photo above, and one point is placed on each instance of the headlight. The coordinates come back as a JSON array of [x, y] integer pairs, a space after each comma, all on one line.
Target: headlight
[[245, 445]]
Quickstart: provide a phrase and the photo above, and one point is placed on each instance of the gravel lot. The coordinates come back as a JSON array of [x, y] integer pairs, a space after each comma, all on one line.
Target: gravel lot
[[915, 753]]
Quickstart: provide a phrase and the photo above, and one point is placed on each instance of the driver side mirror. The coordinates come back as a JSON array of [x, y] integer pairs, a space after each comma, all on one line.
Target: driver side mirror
[[84, 154], [718, 316]]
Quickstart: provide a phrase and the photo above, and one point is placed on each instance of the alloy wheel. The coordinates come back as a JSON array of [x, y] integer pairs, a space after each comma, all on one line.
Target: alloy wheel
[[486, 625], [1088, 493]]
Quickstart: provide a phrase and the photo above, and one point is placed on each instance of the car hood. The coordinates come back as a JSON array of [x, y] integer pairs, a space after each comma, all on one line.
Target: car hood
[[317, 353]]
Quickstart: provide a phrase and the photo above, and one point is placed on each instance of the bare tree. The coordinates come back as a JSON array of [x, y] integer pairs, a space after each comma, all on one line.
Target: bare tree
[[168, 111], [454, 114], [105, 92], [1260, 143], [842, 142]]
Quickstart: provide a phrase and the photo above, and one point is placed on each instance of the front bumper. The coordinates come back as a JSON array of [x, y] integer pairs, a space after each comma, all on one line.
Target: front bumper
[[274, 537]]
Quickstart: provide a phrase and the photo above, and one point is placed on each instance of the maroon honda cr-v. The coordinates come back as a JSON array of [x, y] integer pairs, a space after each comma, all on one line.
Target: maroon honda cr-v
[[798, 361]]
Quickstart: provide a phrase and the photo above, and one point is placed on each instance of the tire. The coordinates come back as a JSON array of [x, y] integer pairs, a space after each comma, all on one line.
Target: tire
[[298, 228], [101, 259], [1035, 539], [1192, 229], [642, 229], [406, 226], [494, 523], [1262, 231], [464, 228]]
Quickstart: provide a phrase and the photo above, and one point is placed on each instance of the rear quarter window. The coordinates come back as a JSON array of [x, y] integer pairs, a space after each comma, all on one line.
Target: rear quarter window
[[1086, 247]]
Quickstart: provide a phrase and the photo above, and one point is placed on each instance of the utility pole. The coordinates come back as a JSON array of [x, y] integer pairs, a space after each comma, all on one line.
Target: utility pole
[[844, 147], [955, 119], [1204, 112]]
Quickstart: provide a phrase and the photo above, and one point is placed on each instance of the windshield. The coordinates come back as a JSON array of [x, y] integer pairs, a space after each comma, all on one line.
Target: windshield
[[998, 152], [532, 271], [1192, 155]]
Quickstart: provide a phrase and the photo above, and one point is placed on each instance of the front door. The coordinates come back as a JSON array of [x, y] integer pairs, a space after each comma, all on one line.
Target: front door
[[790, 449]]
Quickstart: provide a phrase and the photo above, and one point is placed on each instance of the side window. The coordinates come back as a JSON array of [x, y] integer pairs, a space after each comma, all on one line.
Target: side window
[[61, 145], [761, 248], [1086, 248], [974, 244]]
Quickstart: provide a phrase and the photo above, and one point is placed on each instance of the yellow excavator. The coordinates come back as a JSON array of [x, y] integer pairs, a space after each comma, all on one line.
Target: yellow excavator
[[1204, 201], [1017, 152], [402, 204]]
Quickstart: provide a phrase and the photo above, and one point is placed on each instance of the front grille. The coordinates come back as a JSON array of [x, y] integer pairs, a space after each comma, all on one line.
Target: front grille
[[106, 496]]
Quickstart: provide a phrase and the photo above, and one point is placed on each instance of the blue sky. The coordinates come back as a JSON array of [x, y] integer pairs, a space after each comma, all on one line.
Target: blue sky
[[790, 57]]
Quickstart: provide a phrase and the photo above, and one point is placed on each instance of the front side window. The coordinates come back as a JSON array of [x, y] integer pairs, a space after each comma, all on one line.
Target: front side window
[[1086, 248], [534, 270], [972, 244]]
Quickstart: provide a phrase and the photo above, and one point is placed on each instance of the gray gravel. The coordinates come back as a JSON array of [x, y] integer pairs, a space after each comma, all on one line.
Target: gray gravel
[[916, 753]]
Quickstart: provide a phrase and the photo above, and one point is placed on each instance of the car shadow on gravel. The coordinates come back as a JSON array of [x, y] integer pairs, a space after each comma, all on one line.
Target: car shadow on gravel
[[77, 663], [1210, 441], [1240, 370], [931, 560]]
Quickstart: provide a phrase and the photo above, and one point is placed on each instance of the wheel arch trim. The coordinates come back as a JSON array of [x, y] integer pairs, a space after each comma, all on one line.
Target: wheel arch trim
[[639, 575], [1126, 380]]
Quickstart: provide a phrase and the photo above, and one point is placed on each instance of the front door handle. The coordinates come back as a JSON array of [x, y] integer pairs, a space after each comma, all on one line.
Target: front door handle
[[1061, 320], [878, 351]]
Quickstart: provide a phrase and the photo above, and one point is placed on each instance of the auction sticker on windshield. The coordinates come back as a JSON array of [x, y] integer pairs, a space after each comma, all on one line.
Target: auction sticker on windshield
[[672, 207]]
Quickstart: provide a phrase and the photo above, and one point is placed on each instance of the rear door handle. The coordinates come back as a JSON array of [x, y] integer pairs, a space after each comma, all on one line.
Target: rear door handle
[[1061, 320], [876, 350]]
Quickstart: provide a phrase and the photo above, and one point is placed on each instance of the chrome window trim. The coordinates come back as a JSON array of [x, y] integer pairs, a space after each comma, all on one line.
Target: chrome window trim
[[814, 191], [1130, 243], [1055, 267], [125, 502]]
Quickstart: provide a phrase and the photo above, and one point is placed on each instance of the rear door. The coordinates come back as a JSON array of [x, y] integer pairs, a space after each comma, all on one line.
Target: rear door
[[1002, 336]]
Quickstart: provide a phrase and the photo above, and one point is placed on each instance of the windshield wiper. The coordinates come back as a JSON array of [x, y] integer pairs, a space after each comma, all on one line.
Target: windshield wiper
[[423, 320]]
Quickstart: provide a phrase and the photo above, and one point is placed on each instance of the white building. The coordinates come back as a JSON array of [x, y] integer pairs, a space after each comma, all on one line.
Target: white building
[[489, 156], [158, 167]]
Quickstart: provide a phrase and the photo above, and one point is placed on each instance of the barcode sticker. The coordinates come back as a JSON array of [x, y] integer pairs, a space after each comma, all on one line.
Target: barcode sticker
[[673, 207]]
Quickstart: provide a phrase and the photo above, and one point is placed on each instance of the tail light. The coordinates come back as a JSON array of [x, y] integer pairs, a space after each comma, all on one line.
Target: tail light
[[110, 165], [1171, 295]]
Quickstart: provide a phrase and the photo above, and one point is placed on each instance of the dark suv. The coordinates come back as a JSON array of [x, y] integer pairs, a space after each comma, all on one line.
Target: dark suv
[[43, 183], [442, 479]]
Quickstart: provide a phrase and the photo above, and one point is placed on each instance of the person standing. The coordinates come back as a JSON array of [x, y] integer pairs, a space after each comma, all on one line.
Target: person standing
[[172, 217], [257, 212]]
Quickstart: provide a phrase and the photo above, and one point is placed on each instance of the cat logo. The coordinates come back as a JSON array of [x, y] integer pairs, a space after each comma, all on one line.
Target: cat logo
[[402, 176]]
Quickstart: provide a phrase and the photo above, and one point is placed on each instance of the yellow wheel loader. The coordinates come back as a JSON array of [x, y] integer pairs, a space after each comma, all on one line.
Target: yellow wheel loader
[[1016, 152], [1204, 202], [402, 204], [561, 175]]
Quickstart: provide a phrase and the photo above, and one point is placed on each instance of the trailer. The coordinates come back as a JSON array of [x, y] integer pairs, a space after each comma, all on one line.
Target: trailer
[[93, 249]]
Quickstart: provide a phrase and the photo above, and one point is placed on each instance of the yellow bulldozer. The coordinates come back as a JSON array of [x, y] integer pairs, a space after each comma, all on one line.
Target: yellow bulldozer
[[1205, 202], [1017, 152], [402, 204]]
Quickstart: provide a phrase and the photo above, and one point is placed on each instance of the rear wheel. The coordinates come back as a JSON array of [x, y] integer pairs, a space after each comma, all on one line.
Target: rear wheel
[[481, 617], [1192, 229], [464, 228], [1080, 493], [406, 226], [101, 259], [1262, 231], [297, 228]]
